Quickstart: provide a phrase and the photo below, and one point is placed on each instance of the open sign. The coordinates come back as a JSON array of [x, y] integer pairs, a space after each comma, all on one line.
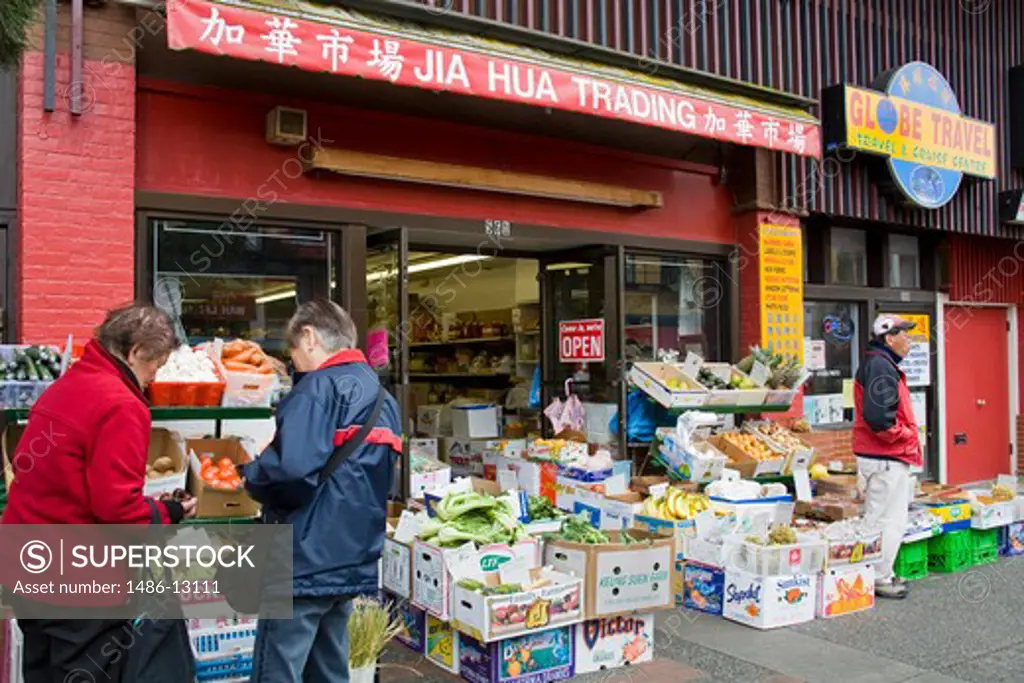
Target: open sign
[[581, 340]]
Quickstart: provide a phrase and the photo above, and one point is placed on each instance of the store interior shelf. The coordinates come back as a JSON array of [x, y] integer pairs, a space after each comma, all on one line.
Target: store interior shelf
[[461, 342]]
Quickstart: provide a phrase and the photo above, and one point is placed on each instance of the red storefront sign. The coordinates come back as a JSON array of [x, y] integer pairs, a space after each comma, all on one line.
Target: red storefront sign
[[581, 341], [323, 47]]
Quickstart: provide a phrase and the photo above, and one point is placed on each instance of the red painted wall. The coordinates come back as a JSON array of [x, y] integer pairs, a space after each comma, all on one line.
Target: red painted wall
[[76, 199], [211, 142]]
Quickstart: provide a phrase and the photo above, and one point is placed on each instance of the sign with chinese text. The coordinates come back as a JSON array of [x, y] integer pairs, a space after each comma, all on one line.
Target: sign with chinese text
[[782, 289], [913, 120], [345, 47], [918, 363], [581, 341]]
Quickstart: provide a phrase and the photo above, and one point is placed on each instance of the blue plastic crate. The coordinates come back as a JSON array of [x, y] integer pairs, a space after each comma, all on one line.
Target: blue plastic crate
[[236, 666]]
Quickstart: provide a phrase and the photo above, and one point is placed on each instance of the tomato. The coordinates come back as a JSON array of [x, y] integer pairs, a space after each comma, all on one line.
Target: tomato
[[226, 472], [225, 463], [205, 461]]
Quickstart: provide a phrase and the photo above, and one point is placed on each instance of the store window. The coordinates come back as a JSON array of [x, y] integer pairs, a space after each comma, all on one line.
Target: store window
[[219, 283], [904, 262], [831, 354], [674, 303], [849, 257]]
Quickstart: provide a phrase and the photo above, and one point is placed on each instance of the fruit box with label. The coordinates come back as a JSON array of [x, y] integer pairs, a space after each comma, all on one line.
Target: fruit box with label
[[608, 513], [536, 478], [806, 556], [619, 577], [530, 658], [845, 590], [987, 513], [1011, 539], [867, 547], [954, 515], [396, 566], [668, 385], [675, 529], [432, 581], [466, 456], [769, 601], [703, 587], [611, 642], [558, 602], [413, 633], [442, 644]]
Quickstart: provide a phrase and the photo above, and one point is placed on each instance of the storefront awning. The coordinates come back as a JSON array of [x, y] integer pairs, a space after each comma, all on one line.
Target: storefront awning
[[331, 39]]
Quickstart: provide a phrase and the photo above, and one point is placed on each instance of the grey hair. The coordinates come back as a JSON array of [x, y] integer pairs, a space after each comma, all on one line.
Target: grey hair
[[331, 323]]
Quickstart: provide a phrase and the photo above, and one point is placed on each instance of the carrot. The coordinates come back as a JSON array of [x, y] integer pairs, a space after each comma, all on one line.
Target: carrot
[[235, 366], [257, 358], [265, 370], [232, 349], [244, 356]]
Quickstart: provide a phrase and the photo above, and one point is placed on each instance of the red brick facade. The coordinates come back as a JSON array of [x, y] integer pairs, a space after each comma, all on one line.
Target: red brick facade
[[76, 198], [831, 444]]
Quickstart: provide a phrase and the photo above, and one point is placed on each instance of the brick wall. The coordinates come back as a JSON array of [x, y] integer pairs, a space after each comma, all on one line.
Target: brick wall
[[831, 444], [76, 184]]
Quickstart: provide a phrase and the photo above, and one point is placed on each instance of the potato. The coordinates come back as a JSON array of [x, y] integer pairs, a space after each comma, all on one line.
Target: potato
[[154, 475], [163, 464]]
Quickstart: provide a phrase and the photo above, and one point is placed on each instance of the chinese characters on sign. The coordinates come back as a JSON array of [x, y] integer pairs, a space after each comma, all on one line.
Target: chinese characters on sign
[[322, 47], [918, 363], [782, 290], [581, 341]]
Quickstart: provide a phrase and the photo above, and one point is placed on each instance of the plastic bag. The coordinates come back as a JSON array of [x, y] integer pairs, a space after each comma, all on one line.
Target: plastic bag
[[641, 418], [535, 389]]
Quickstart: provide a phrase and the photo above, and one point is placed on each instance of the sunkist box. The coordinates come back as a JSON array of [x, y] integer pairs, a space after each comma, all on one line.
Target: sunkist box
[[531, 658], [211, 502], [620, 578], [769, 601], [611, 642]]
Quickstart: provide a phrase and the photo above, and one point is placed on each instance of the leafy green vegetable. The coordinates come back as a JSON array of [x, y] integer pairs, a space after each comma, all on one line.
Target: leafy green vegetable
[[475, 517], [578, 529], [456, 504], [541, 509]]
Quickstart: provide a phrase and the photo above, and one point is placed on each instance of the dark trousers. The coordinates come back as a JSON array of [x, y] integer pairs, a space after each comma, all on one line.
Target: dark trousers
[[73, 650]]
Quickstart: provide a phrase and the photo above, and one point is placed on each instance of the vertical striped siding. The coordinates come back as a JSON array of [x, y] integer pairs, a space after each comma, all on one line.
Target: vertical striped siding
[[801, 46]]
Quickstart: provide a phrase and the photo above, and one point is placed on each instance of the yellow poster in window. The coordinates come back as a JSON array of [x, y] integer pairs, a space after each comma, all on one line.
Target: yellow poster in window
[[782, 289]]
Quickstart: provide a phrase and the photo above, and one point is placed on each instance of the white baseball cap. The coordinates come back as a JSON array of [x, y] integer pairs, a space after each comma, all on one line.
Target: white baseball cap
[[887, 323]]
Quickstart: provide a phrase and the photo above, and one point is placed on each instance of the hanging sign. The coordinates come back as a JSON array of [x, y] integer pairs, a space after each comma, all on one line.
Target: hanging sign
[[346, 45], [918, 363], [581, 341], [912, 119], [782, 289]]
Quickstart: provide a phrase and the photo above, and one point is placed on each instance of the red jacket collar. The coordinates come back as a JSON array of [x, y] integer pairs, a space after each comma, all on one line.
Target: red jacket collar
[[344, 357], [97, 358]]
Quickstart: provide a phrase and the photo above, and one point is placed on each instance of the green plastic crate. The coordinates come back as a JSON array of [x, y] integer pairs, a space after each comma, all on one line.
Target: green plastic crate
[[984, 546], [950, 552], [912, 560]]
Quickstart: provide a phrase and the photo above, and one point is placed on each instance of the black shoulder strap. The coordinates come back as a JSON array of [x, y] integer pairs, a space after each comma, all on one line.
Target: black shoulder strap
[[341, 453]]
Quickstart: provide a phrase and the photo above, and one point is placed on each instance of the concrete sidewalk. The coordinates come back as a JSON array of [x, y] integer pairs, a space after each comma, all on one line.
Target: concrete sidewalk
[[959, 627]]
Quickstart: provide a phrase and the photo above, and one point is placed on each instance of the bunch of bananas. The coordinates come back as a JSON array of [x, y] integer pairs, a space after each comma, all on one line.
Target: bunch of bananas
[[676, 505]]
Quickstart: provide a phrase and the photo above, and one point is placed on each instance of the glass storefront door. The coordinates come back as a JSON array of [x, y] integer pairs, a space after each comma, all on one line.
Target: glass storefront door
[[581, 327]]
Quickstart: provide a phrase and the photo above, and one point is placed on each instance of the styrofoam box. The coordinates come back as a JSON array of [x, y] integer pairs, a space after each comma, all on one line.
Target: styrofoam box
[[845, 590], [994, 515], [769, 601], [477, 421]]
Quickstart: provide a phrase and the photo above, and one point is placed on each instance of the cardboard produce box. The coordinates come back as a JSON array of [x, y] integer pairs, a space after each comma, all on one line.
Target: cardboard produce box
[[532, 658], [828, 508], [164, 443], [487, 618], [769, 601], [211, 502], [842, 485], [442, 644], [703, 587], [620, 578], [414, 626], [396, 565], [845, 590], [611, 642], [741, 461]]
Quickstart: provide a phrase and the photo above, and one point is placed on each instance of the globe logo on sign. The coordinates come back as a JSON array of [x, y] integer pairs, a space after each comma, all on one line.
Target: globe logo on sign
[[888, 117]]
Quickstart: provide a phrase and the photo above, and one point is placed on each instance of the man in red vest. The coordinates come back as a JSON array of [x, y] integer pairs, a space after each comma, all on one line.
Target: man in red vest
[[886, 443]]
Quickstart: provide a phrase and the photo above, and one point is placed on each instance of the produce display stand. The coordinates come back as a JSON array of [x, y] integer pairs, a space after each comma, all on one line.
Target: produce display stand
[[167, 414]]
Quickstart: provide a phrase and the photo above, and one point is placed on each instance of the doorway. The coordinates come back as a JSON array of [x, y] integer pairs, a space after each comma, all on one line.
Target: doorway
[[978, 445]]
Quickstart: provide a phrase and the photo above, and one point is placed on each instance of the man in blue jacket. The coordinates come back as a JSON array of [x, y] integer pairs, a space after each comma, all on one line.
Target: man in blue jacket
[[338, 525]]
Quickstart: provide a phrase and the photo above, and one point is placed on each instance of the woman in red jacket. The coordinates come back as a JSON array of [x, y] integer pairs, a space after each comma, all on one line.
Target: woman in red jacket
[[82, 460]]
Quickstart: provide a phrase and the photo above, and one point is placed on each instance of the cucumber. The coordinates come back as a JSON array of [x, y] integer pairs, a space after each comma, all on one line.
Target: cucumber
[[44, 373], [20, 376], [30, 369], [32, 353]]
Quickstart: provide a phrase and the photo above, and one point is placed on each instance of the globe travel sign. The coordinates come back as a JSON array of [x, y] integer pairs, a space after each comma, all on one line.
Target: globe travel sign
[[912, 120]]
